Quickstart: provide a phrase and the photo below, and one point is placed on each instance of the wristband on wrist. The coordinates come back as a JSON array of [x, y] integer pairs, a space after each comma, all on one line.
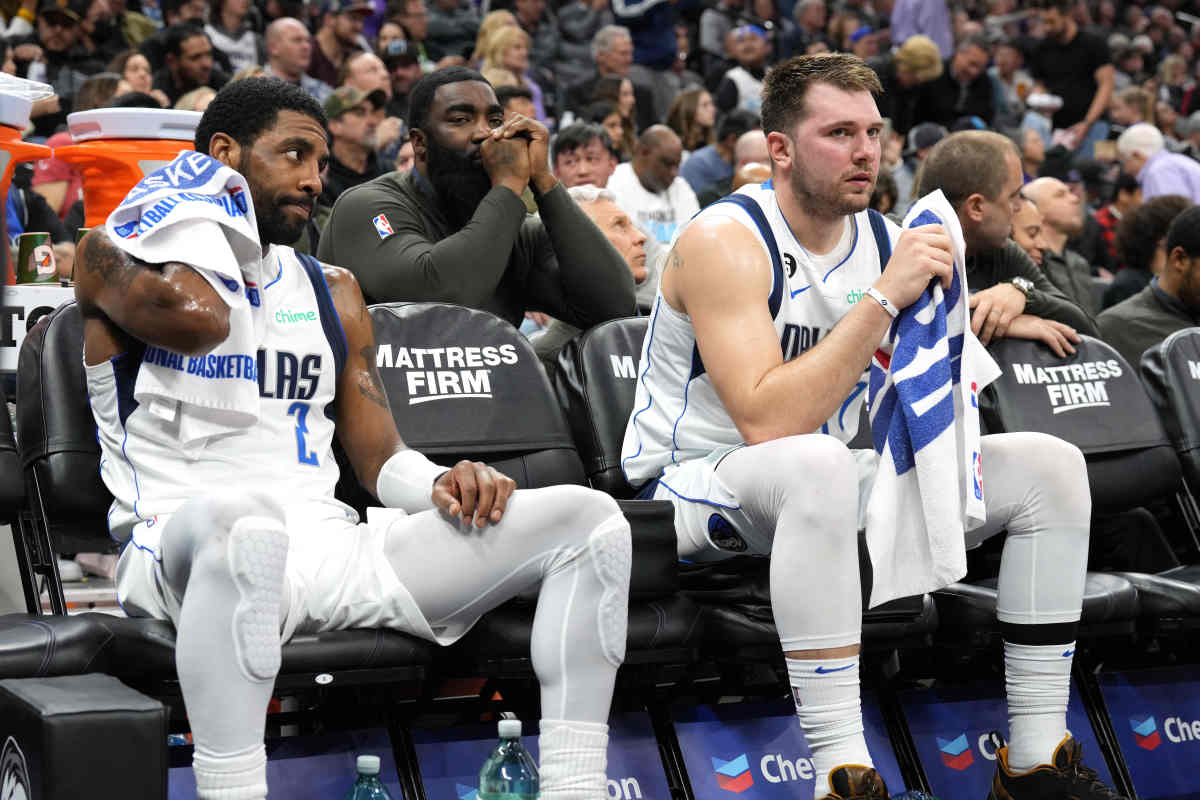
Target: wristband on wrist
[[406, 481], [886, 304]]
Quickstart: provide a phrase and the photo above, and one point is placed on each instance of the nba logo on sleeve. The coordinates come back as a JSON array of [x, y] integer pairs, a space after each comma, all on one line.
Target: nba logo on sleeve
[[382, 226]]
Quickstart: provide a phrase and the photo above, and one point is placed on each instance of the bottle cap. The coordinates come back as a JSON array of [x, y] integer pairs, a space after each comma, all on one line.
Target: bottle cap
[[367, 765], [510, 729]]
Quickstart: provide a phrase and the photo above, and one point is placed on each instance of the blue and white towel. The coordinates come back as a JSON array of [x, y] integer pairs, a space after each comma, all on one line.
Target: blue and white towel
[[924, 387], [197, 211]]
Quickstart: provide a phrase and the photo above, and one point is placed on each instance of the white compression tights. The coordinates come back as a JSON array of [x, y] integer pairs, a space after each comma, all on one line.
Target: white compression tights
[[222, 558]]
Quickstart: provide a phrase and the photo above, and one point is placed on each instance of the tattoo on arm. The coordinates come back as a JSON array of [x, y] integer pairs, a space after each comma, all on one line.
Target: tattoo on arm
[[370, 385], [676, 260], [114, 267]]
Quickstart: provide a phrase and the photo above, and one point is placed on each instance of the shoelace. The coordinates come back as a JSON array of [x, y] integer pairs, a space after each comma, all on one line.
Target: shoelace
[[1092, 778]]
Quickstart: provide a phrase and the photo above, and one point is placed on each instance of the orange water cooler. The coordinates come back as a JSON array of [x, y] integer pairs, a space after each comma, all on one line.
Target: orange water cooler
[[114, 148], [14, 116]]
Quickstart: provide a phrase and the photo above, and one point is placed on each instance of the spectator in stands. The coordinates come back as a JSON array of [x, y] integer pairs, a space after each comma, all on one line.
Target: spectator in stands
[[1010, 297], [289, 54], [407, 237], [928, 17], [741, 87], [810, 17], [716, 22], [601, 207], [365, 71], [389, 31], [352, 146], [231, 31], [1143, 153], [620, 130], [651, 24], [1140, 238], [612, 51], [883, 198], [1062, 218], [714, 163], [404, 70], [54, 55], [921, 140], [578, 22], [189, 63], [751, 148], [538, 22], [1126, 196], [492, 22], [414, 16], [516, 100], [916, 64], [964, 89], [1075, 66], [1170, 302], [509, 49], [1192, 130], [1033, 152], [453, 26], [195, 100], [649, 186], [340, 35], [1013, 84], [1027, 230], [582, 154], [693, 117], [133, 67]]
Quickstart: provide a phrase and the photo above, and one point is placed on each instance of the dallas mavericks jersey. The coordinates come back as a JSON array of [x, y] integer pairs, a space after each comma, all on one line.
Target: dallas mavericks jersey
[[677, 414], [287, 453]]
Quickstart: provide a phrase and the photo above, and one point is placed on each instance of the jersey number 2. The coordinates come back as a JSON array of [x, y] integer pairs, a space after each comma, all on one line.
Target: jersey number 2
[[300, 411]]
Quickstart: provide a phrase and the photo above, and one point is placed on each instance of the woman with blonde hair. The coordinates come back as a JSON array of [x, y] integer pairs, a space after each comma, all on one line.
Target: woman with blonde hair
[[197, 99], [492, 22], [507, 50], [693, 117]]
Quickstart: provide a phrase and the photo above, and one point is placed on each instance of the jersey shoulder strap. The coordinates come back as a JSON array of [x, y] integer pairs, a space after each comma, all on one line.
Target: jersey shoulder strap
[[754, 210], [330, 321], [882, 241]]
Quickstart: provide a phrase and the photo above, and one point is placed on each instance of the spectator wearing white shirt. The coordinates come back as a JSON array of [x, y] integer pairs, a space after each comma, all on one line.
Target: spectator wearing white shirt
[[649, 187]]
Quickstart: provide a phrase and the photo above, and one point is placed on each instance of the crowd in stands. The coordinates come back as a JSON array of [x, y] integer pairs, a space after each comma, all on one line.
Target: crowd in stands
[[656, 102]]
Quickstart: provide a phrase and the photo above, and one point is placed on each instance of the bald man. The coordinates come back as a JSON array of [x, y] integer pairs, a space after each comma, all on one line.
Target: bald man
[[1062, 218], [289, 52], [649, 187], [750, 148]]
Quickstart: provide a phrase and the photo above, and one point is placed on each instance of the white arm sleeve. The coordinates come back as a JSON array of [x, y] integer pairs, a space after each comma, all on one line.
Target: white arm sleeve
[[406, 481]]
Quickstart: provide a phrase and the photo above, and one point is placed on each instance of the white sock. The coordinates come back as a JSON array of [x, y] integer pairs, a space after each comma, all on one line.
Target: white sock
[[574, 756], [1038, 678], [829, 707], [235, 776]]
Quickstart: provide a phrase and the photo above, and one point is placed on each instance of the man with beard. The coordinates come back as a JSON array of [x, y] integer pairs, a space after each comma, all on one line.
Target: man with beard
[[189, 62], [240, 542], [770, 309], [454, 228], [352, 161]]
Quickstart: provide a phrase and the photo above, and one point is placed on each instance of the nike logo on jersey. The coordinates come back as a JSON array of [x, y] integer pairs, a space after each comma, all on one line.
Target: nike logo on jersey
[[822, 670], [1068, 654]]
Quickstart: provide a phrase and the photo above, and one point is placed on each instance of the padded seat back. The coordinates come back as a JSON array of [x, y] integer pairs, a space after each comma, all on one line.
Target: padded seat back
[[57, 433], [596, 382], [12, 481], [1094, 400], [464, 383], [1171, 372]]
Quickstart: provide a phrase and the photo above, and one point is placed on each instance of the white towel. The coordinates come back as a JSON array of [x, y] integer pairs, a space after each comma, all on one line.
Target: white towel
[[925, 382], [197, 211]]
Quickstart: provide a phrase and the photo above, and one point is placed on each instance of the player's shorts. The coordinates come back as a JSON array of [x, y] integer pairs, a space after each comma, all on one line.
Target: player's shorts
[[338, 576]]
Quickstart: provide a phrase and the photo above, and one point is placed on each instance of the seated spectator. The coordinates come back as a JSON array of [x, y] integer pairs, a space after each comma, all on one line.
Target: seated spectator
[[964, 89], [1131, 106], [339, 35], [921, 140], [390, 30], [1170, 302], [751, 148], [1012, 83], [516, 100], [916, 63], [620, 92], [133, 67], [1010, 297], [1033, 152], [1027, 230], [538, 22], [716, 22], [578, 22], [1062, 218], [404, 70], [612, 52], [1142, 153], [454, 229], [601, 207], [1126, 196], [649, 186], [54, 54], [492, 22], [453, 26], [189, 63], [620, 129], [713, 163], [232, 31], [414, 17], [1140, 238], [883, 197], [196, 99], [1192, 130], [741, 86], [583, 154], [809, 16], [289, 55], [692, 117], [352, 144], [508, 49], [754, 172]]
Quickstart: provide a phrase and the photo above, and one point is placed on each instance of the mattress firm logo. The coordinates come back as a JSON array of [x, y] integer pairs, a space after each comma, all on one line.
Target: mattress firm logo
[[1072, 386], [446, 373]]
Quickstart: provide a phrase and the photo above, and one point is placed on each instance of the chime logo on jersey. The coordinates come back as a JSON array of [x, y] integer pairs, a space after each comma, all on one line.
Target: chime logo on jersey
[[1072, 386], [14, 775], [733, 775], [1145, 732], [956, 752], [446, 373], [382, 226]]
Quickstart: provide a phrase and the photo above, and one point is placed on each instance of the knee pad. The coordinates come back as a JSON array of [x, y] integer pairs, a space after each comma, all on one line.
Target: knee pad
[[257, 550], [611, 554]]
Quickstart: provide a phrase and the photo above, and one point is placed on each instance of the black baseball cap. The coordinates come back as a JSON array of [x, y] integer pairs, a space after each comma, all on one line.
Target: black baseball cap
[[398, 53], [74, 10]]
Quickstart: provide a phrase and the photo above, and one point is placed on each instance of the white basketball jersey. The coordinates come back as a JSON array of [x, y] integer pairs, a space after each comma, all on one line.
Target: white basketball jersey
[[287, 453], [677, 414]]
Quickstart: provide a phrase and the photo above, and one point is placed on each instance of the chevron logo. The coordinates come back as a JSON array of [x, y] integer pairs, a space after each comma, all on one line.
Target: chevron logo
[[956, 753], [1145, 732], [733, 775]]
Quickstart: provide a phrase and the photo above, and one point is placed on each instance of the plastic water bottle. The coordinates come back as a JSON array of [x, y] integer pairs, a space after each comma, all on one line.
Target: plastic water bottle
[[368, 785], [509, 773]]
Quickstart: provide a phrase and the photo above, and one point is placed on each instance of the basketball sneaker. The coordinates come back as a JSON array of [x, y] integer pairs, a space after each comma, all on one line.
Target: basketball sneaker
[[1064, 777], [856, 782]]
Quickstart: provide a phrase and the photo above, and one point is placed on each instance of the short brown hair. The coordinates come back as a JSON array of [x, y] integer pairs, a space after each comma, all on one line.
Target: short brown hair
[[967, 163], [788, 82]]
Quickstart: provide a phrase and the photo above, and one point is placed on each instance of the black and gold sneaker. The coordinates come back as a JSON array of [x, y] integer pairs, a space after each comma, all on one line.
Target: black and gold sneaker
[[1065, 778], [856, 782]]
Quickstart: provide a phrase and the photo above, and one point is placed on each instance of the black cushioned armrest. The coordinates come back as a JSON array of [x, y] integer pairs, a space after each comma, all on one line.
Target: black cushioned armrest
[[655, 570]]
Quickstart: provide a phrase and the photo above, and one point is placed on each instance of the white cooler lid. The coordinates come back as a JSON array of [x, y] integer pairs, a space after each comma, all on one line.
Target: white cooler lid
[[14, 110], [133, 123]]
